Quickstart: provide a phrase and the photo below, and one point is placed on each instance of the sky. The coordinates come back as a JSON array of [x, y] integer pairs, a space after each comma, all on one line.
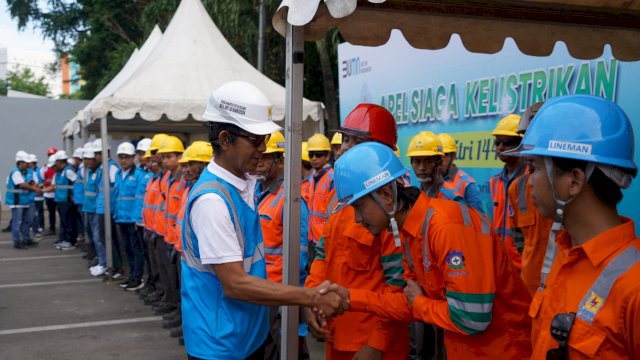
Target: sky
[[29, 39]]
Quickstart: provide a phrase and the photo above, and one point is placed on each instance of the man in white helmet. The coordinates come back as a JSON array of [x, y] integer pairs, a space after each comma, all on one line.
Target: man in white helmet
[[62, 185], [18, 198], [77, 163], [125, 216], [37, 223], [225, 293]]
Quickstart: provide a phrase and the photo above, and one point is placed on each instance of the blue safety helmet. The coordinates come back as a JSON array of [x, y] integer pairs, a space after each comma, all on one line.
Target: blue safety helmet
[[580, 127], [363, 169]]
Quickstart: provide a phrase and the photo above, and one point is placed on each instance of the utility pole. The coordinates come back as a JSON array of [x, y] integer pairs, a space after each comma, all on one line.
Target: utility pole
[[262, 16]]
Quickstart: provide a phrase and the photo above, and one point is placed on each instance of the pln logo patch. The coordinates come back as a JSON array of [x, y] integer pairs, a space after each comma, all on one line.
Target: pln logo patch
[[455, 260], [594, 304]]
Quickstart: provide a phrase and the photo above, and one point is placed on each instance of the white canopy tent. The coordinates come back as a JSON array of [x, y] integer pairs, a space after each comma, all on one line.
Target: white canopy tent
[[172, 85], [75, 125]]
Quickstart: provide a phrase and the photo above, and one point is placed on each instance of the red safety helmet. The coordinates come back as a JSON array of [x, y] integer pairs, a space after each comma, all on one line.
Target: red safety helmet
[[51, 151], [372, 122]]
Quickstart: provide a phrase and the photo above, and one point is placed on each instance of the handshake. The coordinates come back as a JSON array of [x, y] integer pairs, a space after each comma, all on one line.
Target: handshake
[[327, 300]]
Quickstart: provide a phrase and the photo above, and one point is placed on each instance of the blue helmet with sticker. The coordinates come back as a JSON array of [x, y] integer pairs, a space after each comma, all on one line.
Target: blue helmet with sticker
[[363, 169], [581, 127]]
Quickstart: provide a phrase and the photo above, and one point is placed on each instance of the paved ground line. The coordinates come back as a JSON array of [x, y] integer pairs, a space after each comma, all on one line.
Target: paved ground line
[[78, 325], [44, 283], [40, 257]]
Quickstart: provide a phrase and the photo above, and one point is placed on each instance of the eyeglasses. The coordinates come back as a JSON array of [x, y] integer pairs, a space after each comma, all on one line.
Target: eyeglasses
[[560, 328], [318, 154], [255, 140], [507, 142], [348, 138]]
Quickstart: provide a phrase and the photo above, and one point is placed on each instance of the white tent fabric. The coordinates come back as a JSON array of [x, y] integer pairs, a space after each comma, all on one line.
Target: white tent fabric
[[585, 26], [192, 59], [82, 118]]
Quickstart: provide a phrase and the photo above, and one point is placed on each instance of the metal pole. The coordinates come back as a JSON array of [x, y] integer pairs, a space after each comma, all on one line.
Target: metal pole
[[84, 132], [261, 19], [107, 194], [292, 178]]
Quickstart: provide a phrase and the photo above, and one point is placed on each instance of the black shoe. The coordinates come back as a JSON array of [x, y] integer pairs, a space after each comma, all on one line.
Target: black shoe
[[168, 324], [171, 315], [176, 331], [151, 300], [32, 243], [163, 309], [93, 262], [19, 247], [7, 229], [124, 284], [145, 291], [134, 285]]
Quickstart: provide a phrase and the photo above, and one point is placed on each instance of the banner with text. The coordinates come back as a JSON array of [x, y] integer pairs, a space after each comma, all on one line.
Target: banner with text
[[465, 94]]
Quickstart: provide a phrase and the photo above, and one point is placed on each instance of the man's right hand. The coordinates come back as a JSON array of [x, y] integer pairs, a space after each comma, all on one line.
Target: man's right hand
[[328, 303]]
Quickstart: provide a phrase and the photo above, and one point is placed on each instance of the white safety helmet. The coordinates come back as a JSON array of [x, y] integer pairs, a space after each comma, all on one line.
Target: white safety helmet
[[78, 153], [61, 155], [97, 145], [88, 151], [22, 156], [33, 158], [51, 160], [241, 104], [71, 161], [126, 148], [143, 145]]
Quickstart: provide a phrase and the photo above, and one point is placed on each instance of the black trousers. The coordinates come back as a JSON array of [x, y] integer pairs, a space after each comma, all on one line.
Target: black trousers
[[168, 271], [51, 207]]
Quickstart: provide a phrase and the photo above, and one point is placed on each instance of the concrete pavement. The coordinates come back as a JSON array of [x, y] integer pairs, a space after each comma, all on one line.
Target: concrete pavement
[[51, 308]]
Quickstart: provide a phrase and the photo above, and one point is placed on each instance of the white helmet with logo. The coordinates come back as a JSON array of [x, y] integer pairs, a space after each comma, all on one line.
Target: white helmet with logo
[[97, 145], [61, 155], [126, 148], [241, 104], [78, 153], [22, 156], [143, 145]]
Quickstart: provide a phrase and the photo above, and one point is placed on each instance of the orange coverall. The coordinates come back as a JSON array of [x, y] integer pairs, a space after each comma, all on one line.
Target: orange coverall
[[473, 291], [349, 255], [598, 281], [530, 227]]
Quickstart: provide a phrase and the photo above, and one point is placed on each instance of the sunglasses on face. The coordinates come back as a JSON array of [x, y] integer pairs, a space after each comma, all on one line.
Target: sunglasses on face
[[560, 329], [317, 154], [255, 140], [507, 142]]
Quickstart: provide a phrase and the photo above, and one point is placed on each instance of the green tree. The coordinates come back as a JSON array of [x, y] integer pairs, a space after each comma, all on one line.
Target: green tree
[[23, 79], [100, 35]]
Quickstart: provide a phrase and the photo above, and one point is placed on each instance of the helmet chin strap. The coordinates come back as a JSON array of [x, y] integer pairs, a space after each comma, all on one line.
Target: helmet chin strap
[[558, 217], [392, 221]]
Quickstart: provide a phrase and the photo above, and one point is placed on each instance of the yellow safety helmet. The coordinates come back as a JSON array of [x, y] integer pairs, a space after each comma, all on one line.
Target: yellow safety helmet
[[305, 152], [448, 143], [156, 141], [318, 142], [397, 151], [336, 139], [147, 154], [185, 158], [425, 143], [508, 126], [201, 151], [171, 144], [275, 143]]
